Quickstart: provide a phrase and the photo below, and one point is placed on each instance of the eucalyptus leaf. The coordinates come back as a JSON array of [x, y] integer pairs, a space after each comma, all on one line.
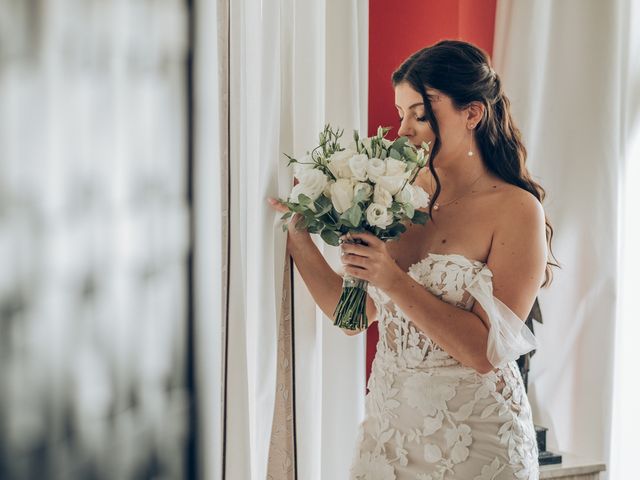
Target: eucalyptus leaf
[[420, 217], [355, 214], [330, 237], [303, 199], [393, 153]]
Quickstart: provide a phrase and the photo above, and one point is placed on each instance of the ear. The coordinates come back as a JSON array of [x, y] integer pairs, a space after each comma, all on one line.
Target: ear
[[475, 111]]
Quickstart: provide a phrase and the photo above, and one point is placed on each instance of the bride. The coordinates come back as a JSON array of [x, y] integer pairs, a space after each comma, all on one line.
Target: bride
[[446, 399]]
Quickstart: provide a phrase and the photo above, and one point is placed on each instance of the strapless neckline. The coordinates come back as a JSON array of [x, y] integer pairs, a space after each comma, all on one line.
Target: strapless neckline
[[441, 256]]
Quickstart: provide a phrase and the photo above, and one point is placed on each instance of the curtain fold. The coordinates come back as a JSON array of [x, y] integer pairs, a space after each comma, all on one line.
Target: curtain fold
[[294, 67], [211, 226], [564, 66]]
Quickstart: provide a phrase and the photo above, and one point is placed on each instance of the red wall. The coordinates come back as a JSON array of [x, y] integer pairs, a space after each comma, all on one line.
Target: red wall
[[396, 30]]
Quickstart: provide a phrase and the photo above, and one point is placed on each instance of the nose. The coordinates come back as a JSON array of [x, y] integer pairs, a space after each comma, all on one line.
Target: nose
[[404, 130]]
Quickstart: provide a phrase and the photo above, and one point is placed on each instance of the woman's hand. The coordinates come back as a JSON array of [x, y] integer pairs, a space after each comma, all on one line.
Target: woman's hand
[[293, 233], [370, 261]]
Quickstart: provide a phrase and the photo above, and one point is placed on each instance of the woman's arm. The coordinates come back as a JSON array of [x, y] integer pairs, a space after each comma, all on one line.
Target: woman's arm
[[324, 284], [517, 261]]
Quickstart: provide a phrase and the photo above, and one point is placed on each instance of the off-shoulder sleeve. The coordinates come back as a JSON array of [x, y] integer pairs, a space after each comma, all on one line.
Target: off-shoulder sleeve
[[509, 336]]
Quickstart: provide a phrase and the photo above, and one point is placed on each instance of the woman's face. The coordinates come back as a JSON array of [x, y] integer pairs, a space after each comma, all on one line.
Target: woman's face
[[413, 124]]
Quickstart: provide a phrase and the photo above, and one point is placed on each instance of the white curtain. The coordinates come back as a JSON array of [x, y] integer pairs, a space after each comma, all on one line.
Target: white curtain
[[294, 67], [565, 67], [211, 210]]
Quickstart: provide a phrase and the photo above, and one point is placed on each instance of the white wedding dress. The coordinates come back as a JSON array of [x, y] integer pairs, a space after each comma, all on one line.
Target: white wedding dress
[[429, 417]]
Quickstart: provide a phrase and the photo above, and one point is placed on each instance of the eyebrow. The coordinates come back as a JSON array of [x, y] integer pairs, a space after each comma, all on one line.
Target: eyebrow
[[414, 105]]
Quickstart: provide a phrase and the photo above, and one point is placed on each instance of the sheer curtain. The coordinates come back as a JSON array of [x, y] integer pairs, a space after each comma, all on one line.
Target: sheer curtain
[[565, 66], [294, 67]]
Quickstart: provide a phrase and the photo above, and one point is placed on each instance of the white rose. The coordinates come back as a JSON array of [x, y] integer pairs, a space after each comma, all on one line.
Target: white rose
[[358, 164], [379, 216], [420, 198], [339, 163], [327, 188], [394, 167], [392, 184], [382, 196], [311, 183], [405, 195], [342, 194], [365, 187], [305, 164], [375, 168]]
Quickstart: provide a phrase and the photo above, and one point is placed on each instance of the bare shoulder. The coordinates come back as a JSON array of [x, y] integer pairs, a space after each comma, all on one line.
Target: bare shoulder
[[516, 207], [518, 253]]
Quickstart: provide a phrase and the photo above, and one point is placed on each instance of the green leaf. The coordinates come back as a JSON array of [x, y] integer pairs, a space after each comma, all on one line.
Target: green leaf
[[396, 207], [399, 143], [408, 209], [315, 228], [393, 153], [286, 215], [303, 199], [330, 237], [354, 215], [410, 154], [302, 223], [420, 217]]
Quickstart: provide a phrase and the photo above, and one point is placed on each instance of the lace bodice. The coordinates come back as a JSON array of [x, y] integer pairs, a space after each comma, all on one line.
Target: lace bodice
[[427, 416], [459, 281]]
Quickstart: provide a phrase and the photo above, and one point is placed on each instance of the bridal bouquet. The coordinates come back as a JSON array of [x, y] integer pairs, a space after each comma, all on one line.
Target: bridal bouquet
[[367, 186]]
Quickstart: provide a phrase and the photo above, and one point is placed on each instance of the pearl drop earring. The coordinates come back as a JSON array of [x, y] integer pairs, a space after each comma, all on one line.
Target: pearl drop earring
[[470, 152]]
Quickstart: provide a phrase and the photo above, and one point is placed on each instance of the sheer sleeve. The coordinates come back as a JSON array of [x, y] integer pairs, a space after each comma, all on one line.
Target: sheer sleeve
[[509, 336]]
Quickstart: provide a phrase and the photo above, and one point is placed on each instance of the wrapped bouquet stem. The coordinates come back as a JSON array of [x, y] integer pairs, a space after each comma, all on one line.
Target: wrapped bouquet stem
[[367, 186], [351, 310]]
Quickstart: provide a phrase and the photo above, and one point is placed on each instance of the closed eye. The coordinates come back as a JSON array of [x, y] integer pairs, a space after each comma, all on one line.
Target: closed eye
[[420, 119]]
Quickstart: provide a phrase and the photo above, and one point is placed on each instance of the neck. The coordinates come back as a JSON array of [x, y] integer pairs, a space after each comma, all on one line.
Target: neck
[[456, 176]]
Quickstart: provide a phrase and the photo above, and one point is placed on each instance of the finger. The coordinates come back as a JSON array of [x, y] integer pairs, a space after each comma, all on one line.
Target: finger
[[357, 272], [366, 236], [277, 205], [355, 260], [355, 248]]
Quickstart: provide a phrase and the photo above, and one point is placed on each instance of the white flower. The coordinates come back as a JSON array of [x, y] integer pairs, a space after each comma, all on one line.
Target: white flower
[[489, 472], [460, 438], [327, 189], [374, 466], [392, 184], [312, 183], [375, 168], [414, 195], [382, 196], [342, 194], [394, 167], [420, 198], [365, 187], [405, 195], [432, 453], [339, 163], [428, 393], [305, 164], [432, 424], [358, 164], [378, 215]]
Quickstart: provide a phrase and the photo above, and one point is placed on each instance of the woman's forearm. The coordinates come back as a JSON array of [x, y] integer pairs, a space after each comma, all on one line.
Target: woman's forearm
[[461, 333], [324, 284]]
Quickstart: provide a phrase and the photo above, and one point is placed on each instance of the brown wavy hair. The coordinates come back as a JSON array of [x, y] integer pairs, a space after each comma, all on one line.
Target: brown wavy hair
[[463, 71]]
